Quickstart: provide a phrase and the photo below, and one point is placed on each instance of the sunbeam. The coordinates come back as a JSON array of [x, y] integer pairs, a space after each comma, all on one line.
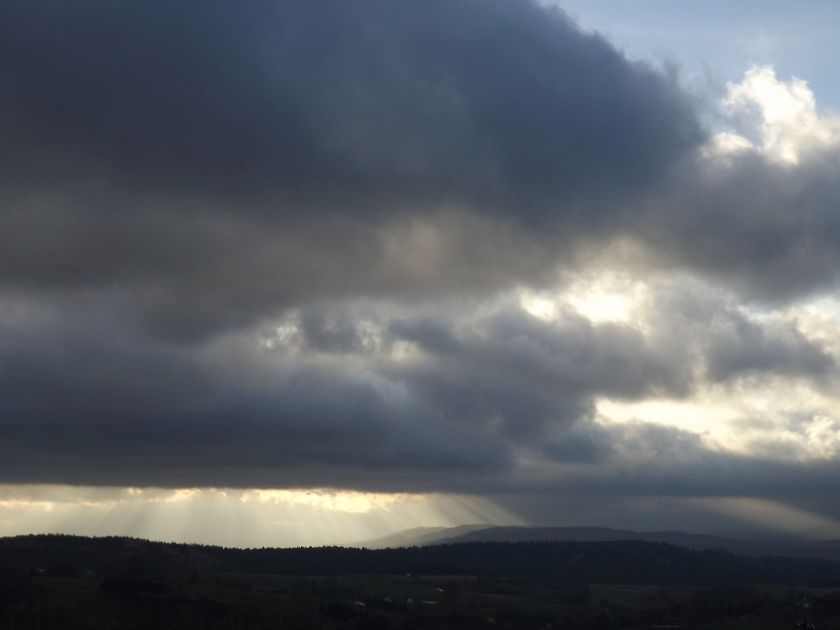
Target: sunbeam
[[235, 517]]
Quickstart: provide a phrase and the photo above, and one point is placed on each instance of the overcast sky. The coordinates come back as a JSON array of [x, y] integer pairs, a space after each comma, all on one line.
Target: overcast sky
[[380, 264]]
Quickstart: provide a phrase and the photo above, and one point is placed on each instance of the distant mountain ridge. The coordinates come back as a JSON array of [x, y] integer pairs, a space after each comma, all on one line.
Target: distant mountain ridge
[[420, 536], [761, 546]]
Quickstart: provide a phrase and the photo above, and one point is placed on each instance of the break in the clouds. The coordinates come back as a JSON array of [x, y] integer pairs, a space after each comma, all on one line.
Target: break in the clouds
[[452, 247]]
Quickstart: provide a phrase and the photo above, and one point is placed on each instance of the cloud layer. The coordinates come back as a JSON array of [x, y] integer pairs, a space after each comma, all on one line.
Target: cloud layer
[[217, 162], [369, 245]]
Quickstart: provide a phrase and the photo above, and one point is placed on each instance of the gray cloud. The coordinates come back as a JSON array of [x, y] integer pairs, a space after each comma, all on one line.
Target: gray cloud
[[744, 347], [376, 396], [461, 100], [176, 180], [218, 162], [766, 229], [725, 339], [87, 400], [339, 394]]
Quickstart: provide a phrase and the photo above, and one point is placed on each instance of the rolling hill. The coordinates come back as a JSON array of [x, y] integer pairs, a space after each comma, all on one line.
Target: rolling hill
[[756, 547]]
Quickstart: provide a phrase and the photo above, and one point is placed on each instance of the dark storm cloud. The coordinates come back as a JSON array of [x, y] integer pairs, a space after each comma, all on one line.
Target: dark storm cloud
[[178, 178], [385, 101], [570, 355], [86, 400], [642, 459], [768, 230], [368, 396], [353, 395], [173, 150], [79, 405], [331, 330], [744, 347], [218, 161]]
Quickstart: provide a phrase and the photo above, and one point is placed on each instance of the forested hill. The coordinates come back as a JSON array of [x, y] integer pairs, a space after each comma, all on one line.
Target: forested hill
[[624, 562]]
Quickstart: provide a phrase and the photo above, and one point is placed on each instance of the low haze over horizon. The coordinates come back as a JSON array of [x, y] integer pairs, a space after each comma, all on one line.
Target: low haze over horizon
[[284, 273]]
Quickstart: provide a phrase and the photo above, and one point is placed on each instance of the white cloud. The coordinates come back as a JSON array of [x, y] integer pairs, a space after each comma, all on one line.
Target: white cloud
[[782, 115]]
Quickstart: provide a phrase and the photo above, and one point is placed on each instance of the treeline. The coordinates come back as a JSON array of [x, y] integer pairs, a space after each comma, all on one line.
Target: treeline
[[619, 562]]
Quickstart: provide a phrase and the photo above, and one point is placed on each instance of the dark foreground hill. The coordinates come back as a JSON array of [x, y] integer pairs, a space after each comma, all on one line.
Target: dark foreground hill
[[66, 582], [617, 562]]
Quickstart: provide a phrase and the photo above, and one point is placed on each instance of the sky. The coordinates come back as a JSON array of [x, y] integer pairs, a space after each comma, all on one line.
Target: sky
[[282, 273], [716, 41]]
